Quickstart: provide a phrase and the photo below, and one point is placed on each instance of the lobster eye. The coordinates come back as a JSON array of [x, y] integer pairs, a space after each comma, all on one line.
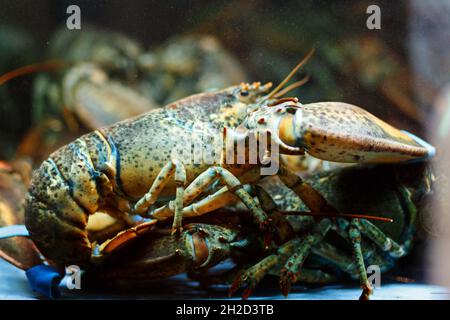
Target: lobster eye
[[244, 93], [201, 250]]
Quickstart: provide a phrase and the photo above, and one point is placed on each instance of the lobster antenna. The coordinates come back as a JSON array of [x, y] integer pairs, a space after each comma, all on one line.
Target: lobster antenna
[[291, 74], [291, 87], [32, 68], [338, 215]]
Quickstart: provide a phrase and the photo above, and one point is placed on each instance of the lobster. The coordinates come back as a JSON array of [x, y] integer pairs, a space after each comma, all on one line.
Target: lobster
[[129, 168]]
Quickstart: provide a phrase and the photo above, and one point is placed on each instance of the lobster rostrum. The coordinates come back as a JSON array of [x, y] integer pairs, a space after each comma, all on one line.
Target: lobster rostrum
[[127, 169]]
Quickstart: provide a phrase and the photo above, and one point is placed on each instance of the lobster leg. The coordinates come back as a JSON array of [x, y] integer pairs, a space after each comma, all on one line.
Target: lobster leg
[[293, 266], [233, 184], [334, 256], [217, 200], [175, 169], [363, 251], [355, 237], [310, 196], [344, 262], [180, 180], [380, 239], [274, 264], [252, 276], [314, 276], [316, 203]]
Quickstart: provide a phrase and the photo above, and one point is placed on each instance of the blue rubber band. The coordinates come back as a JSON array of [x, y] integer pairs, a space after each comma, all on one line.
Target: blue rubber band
[[44, 280]]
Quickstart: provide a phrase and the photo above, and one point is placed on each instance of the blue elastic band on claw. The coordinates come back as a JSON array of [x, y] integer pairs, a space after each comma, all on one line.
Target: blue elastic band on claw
[[45, 280]]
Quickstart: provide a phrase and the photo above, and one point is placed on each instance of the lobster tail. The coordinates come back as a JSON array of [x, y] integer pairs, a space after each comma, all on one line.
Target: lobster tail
[[63, 194], [66, 243]]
